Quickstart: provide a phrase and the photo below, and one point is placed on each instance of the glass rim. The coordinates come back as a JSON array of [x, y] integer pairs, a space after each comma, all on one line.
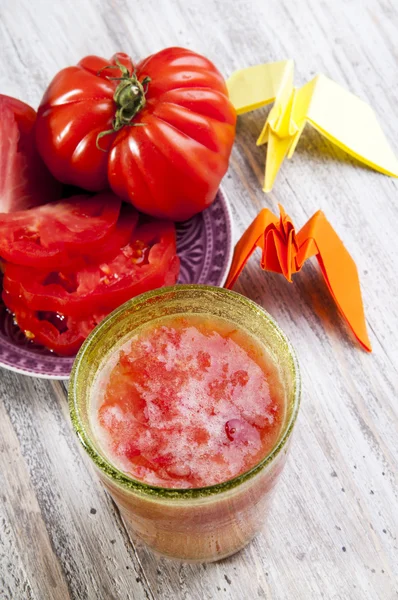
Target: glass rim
[[159, 492]]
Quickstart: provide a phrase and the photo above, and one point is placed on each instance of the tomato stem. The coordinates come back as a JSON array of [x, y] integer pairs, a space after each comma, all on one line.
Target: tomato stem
[[129, 97]]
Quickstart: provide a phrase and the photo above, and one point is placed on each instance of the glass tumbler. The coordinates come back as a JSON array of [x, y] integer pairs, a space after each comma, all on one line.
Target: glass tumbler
[[197, 524]]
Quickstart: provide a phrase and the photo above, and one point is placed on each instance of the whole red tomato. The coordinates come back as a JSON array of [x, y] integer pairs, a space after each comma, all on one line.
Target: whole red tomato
[[159, 134]]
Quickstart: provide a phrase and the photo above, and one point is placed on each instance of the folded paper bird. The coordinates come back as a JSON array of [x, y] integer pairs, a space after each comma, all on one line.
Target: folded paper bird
[[285, 251], [337, 114]]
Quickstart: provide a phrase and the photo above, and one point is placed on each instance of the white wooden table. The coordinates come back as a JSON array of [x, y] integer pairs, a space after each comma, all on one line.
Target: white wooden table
[[333, 529]]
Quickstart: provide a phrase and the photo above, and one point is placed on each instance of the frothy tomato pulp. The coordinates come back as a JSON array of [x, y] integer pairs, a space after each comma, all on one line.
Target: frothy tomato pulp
[[188, 402]]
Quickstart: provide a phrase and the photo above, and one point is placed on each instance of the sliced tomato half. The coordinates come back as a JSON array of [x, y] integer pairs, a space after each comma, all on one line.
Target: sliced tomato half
[[57, 234], [63, 335], [25, 180], [147, 262]]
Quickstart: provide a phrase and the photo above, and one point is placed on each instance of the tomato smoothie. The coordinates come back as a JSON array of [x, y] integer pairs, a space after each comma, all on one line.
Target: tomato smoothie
[[191, 401], [185, 399]]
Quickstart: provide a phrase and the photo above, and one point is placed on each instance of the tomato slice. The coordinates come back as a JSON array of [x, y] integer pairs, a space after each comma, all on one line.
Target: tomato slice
[[147, 262], [55, 235], [63, 335], [120, 237], [25, 181]]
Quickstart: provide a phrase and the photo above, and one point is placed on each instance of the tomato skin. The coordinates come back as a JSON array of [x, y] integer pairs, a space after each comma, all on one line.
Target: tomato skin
[[171, 158], [25, 180], [100, 287]]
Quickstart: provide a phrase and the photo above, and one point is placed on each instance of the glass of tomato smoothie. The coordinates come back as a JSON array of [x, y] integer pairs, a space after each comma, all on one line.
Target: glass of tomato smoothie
[[185, 399]]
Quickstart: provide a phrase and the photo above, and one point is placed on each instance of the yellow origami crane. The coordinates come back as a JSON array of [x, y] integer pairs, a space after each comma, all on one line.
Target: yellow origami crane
[[337, 114]]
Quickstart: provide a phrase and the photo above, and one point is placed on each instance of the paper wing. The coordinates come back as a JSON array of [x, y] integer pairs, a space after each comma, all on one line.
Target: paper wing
[[339, 270], [255, 236], [346, 121], [256, 86]]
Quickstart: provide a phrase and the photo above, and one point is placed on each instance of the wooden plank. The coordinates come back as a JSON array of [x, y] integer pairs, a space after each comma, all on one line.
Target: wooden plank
[[28, 566], [55, 506]]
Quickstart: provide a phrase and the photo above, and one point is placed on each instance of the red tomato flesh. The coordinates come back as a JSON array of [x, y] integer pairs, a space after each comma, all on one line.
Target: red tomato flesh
[[55, 235], [147, 262], [63, 335]]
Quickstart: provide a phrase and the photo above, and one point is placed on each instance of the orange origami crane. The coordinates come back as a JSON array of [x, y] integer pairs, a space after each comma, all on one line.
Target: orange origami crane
[[285, 251]]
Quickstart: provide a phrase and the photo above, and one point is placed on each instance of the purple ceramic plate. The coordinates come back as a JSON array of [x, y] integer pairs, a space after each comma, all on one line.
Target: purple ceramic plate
[[204, 244]]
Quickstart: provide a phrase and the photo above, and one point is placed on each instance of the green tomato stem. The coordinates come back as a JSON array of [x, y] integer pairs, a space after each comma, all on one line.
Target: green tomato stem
[[129, 97]]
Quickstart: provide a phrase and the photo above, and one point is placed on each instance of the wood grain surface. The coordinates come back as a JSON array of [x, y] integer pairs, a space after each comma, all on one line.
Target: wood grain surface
[[332, 531]]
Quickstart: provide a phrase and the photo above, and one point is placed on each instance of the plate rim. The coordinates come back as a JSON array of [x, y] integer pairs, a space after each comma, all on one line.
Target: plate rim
[[230, 252], [230, 226]]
